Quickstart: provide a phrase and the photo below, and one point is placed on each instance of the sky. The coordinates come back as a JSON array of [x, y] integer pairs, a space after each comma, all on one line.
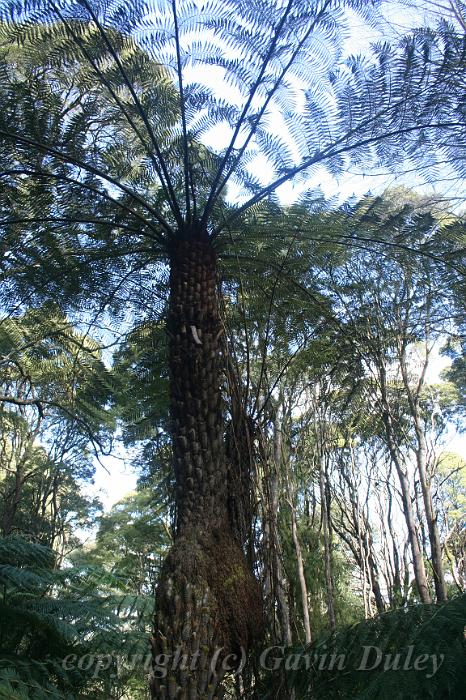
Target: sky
[[120, 479], [114, 479], [398, 16]]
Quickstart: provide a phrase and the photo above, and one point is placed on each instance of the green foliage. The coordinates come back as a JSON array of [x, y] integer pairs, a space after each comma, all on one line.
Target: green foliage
[[132, 539], [49, 614], [55, 410], [49, 365], [105, 163], [419, 630], [140, 367], [348, 608]]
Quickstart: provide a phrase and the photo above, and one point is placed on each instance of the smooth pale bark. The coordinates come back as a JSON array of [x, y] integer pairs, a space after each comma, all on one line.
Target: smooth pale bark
[[371, 568], [418, 561], [301, 576], [279, 581], [374, 574], [424, 478], [276, 579], [327, 546], [416, 552], [396, 592], [456, 563], [364, 532], [431, 517], [276, 584]]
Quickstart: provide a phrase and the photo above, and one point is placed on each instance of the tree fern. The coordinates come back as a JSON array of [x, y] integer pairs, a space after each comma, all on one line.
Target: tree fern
[[49, 614], [109, 181], [410, 632]]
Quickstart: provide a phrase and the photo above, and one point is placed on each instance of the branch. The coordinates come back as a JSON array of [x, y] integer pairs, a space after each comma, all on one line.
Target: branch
[[269, 318], [40, 403], [86, 186], [160, 166], [68, 158], [23, 402], [213, 191], [183, 112], [268, 99], [326, 154]]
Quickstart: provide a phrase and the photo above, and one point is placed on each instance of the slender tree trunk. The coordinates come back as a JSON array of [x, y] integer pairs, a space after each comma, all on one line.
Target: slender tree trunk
[[456, 563], [413, 395], [301, 576], [279, 582], [208, 603], [396, 591], [374, 574], [418, 561], [327, 546], [12, 500], [431, 517], [275, 582]]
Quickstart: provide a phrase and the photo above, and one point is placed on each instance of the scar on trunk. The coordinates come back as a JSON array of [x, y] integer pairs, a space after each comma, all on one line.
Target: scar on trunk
[[194, 331]]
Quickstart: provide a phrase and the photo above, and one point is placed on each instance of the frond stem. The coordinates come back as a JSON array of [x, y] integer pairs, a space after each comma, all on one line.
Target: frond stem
[[320, 156], [159, 165], [67, 158], [239, 124], [183, 113], [261, 112], [33, 173]]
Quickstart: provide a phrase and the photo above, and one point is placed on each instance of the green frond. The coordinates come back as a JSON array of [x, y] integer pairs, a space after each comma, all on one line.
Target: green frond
[[17, 552], [425, 631], [47, 614]]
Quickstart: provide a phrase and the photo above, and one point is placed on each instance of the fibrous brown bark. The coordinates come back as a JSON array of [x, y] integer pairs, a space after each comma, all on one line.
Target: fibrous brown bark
[[208, 604]]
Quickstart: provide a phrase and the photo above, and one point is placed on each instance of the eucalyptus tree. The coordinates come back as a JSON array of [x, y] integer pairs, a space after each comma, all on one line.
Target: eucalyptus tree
[[450, 499], [114, 180], [400, 310]]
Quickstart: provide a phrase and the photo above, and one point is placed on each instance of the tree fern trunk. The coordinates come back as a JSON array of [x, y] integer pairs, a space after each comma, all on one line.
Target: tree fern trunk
[[207, 599]]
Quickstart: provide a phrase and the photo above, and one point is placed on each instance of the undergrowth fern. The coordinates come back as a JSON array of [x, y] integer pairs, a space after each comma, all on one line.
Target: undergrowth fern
[[49, 617], [376, 659]]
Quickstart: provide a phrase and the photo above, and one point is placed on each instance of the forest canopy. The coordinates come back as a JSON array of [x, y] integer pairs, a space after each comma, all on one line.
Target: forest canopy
[[191, 286]]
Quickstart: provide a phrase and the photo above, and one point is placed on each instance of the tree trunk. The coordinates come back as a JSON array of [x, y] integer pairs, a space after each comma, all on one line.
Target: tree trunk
[[280, 580], [418, 561], [431, 517], [301, 576], [413, 395], [374, 572], [395, 588], [327, 545], [276, 587], [13, 499], [208, 604]]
